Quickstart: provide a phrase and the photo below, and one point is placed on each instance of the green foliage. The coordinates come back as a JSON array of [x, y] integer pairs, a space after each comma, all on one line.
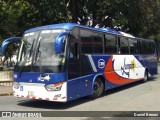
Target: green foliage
[[43, 12], [139, 17], [11, 11]]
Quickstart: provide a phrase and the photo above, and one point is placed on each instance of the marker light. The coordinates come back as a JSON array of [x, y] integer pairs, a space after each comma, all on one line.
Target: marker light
[[16, 85], [15, 76], [54, 87]]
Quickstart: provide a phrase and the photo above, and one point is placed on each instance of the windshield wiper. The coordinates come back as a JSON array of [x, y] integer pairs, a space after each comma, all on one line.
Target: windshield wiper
[[26, 59], [38, 58], [31, 50]]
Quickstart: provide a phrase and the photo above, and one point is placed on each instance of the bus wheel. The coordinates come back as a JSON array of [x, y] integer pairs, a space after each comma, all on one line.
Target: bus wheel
[[145, 79], [98, 88]]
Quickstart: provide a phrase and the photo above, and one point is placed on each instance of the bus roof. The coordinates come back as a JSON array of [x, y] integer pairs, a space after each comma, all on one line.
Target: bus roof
[[70, 26], [151, 40]]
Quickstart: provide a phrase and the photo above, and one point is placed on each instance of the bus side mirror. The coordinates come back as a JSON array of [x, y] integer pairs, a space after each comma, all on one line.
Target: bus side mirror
[[6, 42], [59, 42]]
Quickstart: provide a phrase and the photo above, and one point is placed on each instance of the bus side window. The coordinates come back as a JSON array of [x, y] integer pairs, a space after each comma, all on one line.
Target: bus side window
[[86, 41], [74, 44], [97, 43], [124, 47], [133, 43], [73, 52], [110, 43], [148, 48], [153, 47], [142, 47]]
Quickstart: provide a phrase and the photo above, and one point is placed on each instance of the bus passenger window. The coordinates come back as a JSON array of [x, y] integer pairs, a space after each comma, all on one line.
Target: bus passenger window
[[110, 43], [97, 43], [124, 48], [133, 44], [148, 48], [153, 48], [86, 41], [142, 46], [73, 52]]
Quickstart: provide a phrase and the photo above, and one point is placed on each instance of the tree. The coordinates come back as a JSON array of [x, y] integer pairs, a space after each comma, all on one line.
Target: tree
[[43, 12], [139, 17], [9, 15]]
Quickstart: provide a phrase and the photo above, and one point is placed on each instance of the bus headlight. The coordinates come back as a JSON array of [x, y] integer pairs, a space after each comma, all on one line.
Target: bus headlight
[[16, 85], [54, 87]]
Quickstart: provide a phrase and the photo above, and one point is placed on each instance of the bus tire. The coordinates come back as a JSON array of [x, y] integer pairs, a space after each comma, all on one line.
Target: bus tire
[[145, 79], [98, 88]]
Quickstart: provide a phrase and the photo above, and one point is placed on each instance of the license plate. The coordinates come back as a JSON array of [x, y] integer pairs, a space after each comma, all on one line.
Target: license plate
[[30, 93]]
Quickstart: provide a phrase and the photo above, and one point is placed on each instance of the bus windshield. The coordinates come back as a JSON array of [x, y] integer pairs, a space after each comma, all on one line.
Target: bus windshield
[[37, 52]]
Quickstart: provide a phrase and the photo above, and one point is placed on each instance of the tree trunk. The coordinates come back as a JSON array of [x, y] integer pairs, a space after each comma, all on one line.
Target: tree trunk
[[74, 11]]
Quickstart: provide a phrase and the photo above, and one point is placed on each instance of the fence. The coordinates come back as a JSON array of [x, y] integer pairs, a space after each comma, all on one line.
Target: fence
[[6, 78]]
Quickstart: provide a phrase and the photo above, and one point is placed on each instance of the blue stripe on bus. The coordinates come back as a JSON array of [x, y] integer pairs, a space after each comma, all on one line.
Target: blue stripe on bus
[[34, 77]]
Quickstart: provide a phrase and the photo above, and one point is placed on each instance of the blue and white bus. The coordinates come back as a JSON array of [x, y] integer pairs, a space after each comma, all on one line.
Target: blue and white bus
[[64, 62]]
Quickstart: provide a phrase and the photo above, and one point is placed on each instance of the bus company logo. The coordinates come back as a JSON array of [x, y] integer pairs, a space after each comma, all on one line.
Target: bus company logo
[[101, 63], [127, 67], [40, 78]]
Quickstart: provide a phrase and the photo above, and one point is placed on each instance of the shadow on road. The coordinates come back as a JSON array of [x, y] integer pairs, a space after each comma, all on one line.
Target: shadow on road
[[124, 87], [61, 106], [52, 105]]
